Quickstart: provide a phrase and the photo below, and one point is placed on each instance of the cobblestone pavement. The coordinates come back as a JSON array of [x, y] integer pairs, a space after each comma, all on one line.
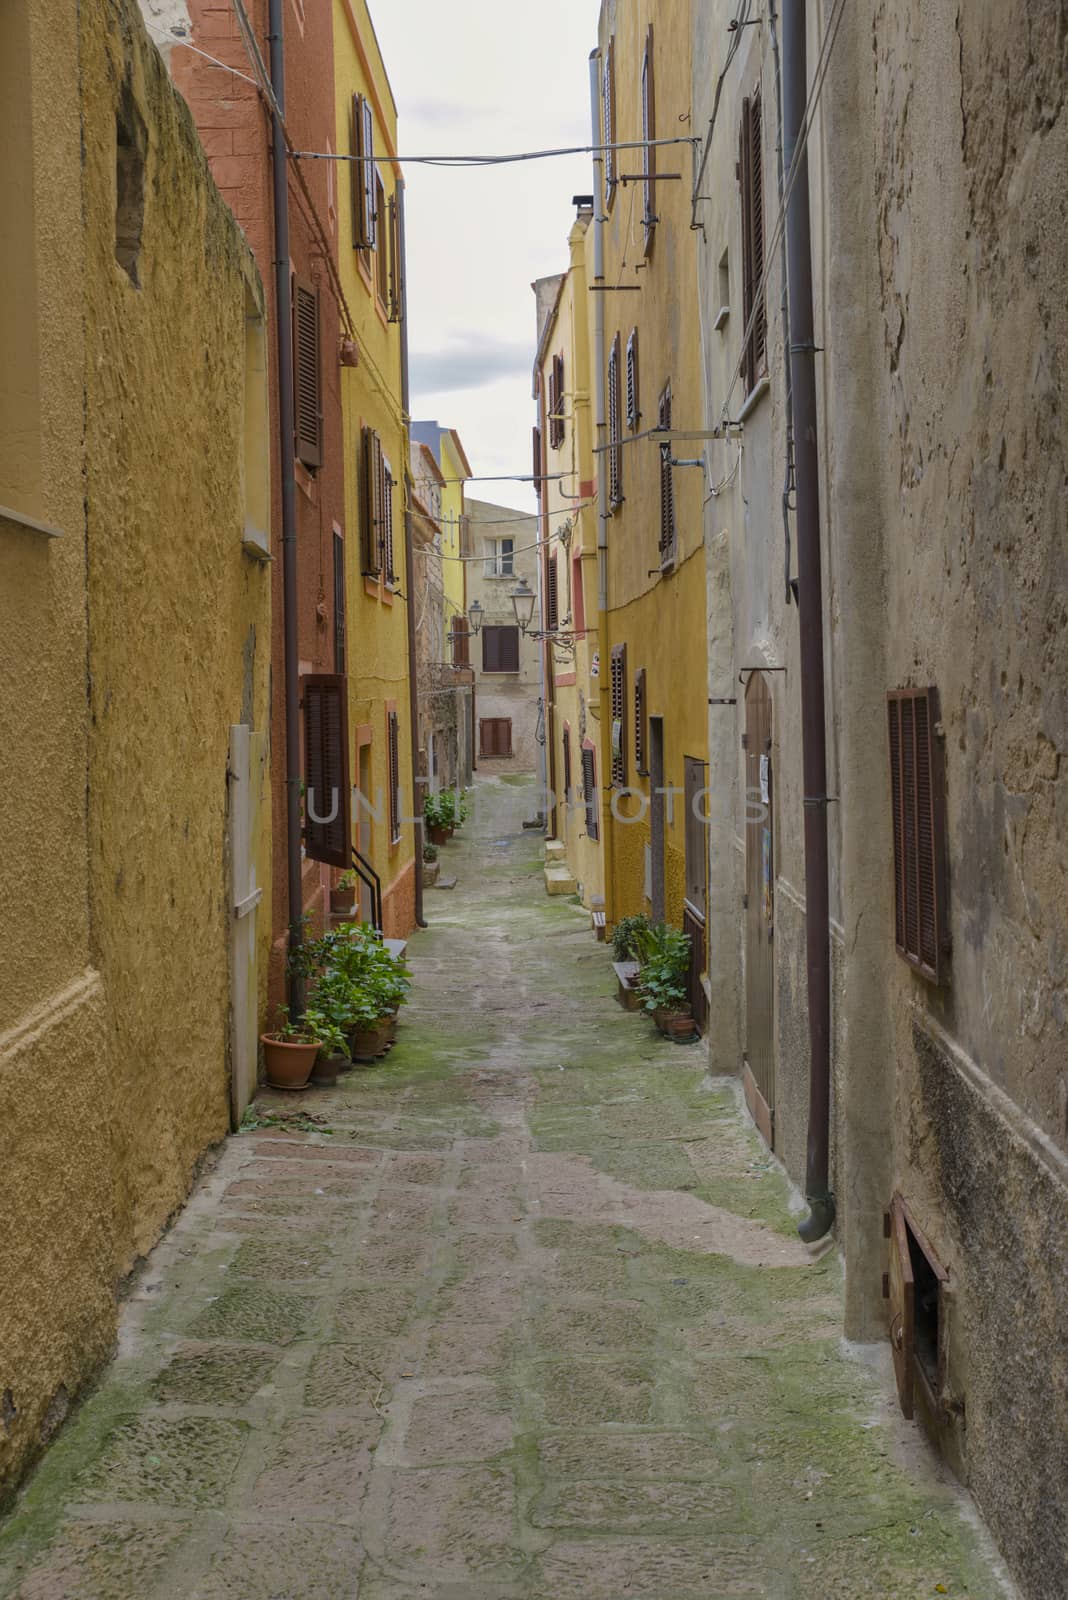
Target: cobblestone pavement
[[519, 1312]]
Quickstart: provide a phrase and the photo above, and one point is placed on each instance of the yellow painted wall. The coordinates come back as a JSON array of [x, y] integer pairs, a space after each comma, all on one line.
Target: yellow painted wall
[[660, 618], [114, 896], [454, 469], [572, 531], [371, 396]]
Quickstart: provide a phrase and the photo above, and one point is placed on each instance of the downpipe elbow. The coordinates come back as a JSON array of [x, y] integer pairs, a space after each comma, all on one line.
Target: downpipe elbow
[[820, 1219]]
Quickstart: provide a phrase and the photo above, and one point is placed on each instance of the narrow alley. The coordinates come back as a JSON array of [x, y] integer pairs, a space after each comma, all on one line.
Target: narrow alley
[[519, 1311]]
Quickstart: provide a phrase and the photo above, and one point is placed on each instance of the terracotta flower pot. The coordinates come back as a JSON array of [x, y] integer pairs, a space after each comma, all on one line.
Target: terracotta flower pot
[[431, 873], [367, 1044], [439, 834], [342, 901], [327, 1067], [677, 1025], [288, 1062]]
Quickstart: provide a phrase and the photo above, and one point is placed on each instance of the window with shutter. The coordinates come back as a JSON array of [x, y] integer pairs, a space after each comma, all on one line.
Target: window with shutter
[[363, 174], [641, 725], [615, 428], [552, 597], [393, 750], [495, 738], [608, 121], [394, 284], [536, 458], [648, 135], [589, 792], [381, 245], [500, 649], [373, 477], [307, 398], [751, 169], [556, 403], [387, 522], [461, 642], [339, 604], [619, 715], [567, 765], [633, 400], [917, 797], [327, 811], [667, 485]]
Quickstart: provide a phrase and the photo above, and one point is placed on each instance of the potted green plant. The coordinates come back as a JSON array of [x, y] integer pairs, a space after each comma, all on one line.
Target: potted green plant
[[322, 1018], [437, 812], [289, 1052], [431, 865], [343, 895], [664, 953]]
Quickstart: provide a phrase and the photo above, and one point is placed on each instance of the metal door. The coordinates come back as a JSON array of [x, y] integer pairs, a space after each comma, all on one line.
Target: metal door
[[759, 1075]]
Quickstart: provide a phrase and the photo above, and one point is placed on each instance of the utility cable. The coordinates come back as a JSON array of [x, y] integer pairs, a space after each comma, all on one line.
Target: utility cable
[[741, 17], [497, 160]]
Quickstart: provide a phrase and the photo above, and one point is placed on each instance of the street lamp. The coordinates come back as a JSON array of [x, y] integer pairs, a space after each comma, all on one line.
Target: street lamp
[[475, 615], [523, 598]]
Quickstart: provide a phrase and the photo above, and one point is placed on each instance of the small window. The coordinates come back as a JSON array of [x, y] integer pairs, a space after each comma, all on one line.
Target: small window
[[387, 523], [667, 485], [648, 135], [917, 800], [339, 604], [557, 402], [381, 245], [461, 642], [641, 725], [500, 649], [567, 766], [495, 738], [615, 428], [915, 1286], [751, 169], [723, 275], [307, 376], [536, 462], [589, 792], [499, 558], [552, 597], [393, 747], [372, 501], [327, 812], [364, 176], [396, 266], [619, 715]]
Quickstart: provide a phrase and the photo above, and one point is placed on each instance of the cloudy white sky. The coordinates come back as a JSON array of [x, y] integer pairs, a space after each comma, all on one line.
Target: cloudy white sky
[[478, 78]]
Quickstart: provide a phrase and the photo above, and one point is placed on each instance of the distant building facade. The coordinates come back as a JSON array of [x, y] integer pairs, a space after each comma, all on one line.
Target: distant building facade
[[504, 546]]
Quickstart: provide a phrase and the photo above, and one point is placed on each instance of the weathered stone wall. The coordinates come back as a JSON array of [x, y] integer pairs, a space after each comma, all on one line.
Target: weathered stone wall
[[139, 636]]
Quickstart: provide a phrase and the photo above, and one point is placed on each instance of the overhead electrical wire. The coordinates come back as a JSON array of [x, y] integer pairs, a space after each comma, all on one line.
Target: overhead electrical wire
[[502, 160]]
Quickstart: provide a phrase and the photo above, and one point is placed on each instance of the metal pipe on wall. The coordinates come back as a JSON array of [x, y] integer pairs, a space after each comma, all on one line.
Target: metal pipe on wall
[[286, 432], [409, 565], [802, 356]]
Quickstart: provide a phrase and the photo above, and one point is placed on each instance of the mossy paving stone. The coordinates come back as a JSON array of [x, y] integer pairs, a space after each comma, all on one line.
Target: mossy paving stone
[[469, 1425], [374, 1312], [91, 1560], [354, 1378], [185, 1461], [653, 1569], [452, 1524], [577, 1393], [596, 1327], [317, 1469], [222, 1375], [623, 1507], [284, 1563], [256, 1313], [281, 1260]]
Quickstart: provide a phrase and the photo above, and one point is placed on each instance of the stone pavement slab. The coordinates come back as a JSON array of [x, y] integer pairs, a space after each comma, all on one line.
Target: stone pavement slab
[[519, 1313]]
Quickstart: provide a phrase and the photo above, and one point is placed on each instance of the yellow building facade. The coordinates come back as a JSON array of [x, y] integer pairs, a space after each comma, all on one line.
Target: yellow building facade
[[376, 467], [134, 671], [564, 444]]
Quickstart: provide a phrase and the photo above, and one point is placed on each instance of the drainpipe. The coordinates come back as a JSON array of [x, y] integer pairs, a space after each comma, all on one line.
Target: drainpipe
[[418, 785], [286, 432], [788, 469], [600, 432], [820, 1219]]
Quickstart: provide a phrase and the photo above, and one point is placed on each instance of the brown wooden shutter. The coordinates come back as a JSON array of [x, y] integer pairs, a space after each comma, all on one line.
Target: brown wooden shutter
[[567, 765], [751, 170], [619, 715], [339, 604], [307, 397], [608, 104], [495, 738], [667, 485], [615, 428], [552, 597], [393, 738], [394, 261], [556, 403], [536, 458], [917, 797], [371, 502], [633, 398], [363, 174], [387, 523], [500, 649], [589, 793], [641, 724], [381, 245], [327, 801], [648, 134], [461, 641]]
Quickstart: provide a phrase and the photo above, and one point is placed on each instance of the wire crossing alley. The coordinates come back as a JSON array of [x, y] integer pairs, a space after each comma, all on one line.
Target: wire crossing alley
[[520, 1311]]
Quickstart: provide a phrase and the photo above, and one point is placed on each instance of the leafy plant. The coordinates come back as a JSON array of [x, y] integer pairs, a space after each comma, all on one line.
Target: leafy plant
[[430, 852], [625, 936], [664, 953], [331, 1037], [347, 880], [290, 1032]]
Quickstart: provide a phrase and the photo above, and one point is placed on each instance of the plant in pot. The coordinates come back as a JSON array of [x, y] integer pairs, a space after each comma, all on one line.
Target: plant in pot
[[333, 1054], [289, 1052], [437, 811], [664, 981], [343, 895], [431, 864], [370, 1036]]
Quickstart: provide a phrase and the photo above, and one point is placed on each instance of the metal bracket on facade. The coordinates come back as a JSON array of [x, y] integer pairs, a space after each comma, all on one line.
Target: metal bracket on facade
[[820, 800], [732, 701], [743, 670], [807, 348]]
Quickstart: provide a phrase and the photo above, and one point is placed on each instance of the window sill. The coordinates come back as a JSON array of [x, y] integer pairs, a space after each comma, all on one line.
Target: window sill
[[306, 482], [499, 577], [26, 524], [754, 397], [494, 672], [256, 544], [722, 317]]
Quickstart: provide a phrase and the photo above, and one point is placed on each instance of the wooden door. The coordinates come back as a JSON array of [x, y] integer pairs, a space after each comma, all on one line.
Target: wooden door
[[695, 908], [656, 818], [759, 1075]]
